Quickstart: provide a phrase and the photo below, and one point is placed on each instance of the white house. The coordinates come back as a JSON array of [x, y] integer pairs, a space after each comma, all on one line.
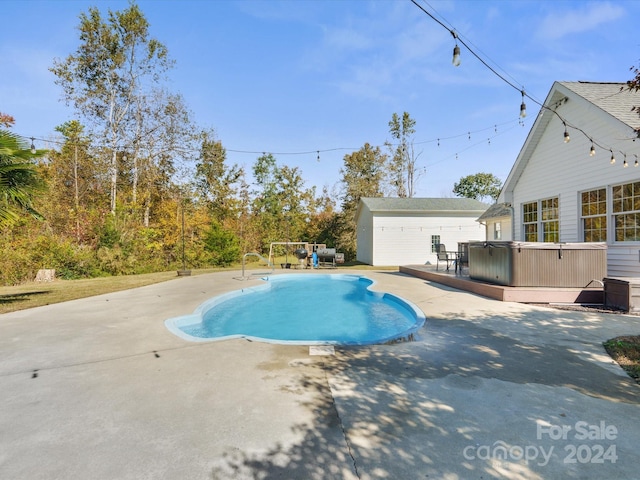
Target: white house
[[577, 177], [404, 231]]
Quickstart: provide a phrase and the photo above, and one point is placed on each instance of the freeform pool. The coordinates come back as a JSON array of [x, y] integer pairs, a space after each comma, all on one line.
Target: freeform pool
[[303, 309]]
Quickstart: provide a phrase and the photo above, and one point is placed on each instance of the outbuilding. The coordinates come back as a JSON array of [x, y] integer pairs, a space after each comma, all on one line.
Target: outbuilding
[[404, 231]]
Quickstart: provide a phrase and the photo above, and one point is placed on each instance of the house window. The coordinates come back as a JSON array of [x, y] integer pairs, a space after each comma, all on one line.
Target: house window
[[435, 241], [626, 212], [497, 231], [594, 215], [540, 221], [530, 221], [550, 223]]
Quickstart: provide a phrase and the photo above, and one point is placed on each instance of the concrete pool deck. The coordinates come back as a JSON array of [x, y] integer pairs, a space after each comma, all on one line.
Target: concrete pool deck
[[99, 388]]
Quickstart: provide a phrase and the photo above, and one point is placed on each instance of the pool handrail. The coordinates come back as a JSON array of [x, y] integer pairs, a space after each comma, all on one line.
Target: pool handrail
[[255, 254]]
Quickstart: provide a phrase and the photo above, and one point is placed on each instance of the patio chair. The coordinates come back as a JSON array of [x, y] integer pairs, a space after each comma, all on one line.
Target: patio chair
[[463, 256], [444, 256]]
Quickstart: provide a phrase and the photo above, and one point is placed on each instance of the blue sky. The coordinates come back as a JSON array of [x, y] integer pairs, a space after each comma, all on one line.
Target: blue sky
[[305, 75]]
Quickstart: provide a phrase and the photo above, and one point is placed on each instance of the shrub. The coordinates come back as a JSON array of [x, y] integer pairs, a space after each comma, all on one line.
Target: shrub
[[222, 245]]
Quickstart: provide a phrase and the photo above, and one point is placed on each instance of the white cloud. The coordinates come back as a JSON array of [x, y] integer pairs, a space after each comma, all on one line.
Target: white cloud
[[559, 24]]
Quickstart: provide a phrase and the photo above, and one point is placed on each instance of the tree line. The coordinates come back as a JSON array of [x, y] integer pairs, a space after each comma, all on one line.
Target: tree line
[[133, 183]]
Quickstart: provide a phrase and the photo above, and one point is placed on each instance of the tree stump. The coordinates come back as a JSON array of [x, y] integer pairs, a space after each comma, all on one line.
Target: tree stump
[[46, 275]]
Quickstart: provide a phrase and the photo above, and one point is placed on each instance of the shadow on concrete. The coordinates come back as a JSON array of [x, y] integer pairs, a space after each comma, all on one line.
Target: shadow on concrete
[[407, 410]]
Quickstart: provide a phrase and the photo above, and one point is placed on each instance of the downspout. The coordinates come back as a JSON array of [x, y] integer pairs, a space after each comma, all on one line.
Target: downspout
[[513, 223]]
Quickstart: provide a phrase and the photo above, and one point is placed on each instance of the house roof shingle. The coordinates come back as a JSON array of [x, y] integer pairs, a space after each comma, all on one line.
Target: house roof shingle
[[613, 98], [497, 210]]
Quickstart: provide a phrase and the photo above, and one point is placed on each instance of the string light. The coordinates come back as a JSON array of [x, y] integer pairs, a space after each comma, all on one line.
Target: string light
[[613, 159], [636, 162], [567, 138], [625, 164], [523, 107], [438, 141], [33, 146], [456, 51]]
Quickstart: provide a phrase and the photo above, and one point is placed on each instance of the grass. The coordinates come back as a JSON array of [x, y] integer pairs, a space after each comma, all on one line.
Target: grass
[[625, 351], [37, 294]]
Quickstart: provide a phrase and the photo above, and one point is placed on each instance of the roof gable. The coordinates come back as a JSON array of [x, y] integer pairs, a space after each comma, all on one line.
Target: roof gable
[[612, 100]]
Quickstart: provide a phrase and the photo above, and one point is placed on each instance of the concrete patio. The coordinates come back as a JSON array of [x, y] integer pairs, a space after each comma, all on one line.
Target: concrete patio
[[98, 388]]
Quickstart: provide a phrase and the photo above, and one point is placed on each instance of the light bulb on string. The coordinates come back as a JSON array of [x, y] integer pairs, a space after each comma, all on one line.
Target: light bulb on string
[[625, 164], [592, 151], [33, 146], [456, 56], [318, 159], [456, 51], [567, 138], [636, 162], [613, 159], [523, 107]]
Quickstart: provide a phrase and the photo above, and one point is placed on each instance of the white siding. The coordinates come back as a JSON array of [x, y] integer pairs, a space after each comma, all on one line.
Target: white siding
[[364, 237], [406, 239], [505, 227], [563, 170], [623, 260]]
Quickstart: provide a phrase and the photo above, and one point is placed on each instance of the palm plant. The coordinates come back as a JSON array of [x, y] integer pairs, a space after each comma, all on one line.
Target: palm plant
[[19, 179]]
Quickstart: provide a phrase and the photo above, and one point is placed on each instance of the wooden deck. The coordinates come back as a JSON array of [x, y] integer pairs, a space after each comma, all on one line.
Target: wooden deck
[[461, 281]]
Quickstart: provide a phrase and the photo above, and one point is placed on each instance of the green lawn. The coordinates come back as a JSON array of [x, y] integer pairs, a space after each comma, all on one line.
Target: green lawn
[[36, 294]]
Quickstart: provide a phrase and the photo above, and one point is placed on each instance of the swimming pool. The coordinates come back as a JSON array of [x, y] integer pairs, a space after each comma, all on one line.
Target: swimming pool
[[304, 309]]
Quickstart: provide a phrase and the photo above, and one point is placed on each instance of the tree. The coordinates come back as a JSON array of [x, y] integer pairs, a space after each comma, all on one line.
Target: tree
[[72, 175], [480, 186], [322, 224], [6, 120], [215, 181], [19, 179], [222, 245], [115, 62], [362, 176], [282, 204], [634, 85], [161, 133], [402, 165]]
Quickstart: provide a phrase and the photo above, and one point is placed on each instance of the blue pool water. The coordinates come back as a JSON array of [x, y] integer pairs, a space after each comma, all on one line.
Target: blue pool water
[[303, 309]]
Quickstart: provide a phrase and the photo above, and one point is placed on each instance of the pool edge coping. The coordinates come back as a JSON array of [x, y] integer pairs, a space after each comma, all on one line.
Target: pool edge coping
[[173, 324]]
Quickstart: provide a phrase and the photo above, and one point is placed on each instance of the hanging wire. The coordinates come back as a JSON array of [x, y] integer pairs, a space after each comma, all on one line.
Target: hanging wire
[[467, 134], [513, 84], [467, 44]]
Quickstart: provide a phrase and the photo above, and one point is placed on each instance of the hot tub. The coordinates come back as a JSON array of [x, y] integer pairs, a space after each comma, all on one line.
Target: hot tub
[[538, 264]]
